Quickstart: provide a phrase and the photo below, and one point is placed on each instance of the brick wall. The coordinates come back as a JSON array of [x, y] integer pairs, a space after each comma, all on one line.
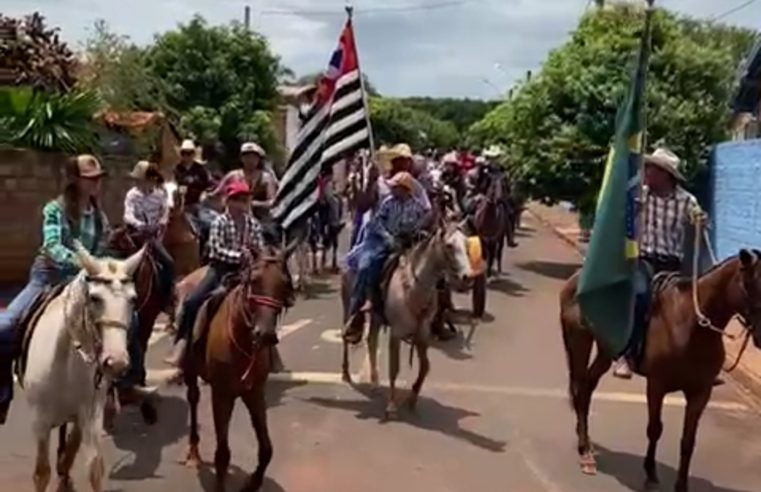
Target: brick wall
[[28, 179]]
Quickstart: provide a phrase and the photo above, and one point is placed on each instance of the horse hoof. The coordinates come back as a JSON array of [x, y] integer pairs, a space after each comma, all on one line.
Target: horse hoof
[[392, 411], [346, 378], [192, 458], [65, 484], [588, 464]]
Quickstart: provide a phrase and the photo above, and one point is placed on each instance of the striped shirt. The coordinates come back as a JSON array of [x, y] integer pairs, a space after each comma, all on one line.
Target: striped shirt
[[399, 217], [664, 221], [146, 209], [227, 243], [58, 237]]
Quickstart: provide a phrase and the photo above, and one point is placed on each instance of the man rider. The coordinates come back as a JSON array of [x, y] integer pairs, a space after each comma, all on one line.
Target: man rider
[[668, 210], [195, 179]]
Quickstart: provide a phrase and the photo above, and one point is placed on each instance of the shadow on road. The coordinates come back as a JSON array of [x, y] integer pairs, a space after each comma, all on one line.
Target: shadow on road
[[146, 442], [507, 286], [430, 415], [456, 348], [627, 469], [525, 232], [277, 389], [318, 289], [235, 479], [559, 271]]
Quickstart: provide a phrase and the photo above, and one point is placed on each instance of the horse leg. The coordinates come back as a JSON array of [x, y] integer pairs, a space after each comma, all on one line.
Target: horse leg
[[67, 452], [91, 429], [425, 366], [655, 397], [696, 404], [498, 253], [222, 407], [193, 395], [42, 465], [345, 374], [578, 348], [599, 367], [394, 346], [257, 409], [372, 350]]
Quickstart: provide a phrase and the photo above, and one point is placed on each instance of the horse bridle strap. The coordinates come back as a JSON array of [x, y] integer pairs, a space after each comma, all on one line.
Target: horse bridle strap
[[110, 323], [265, 301]]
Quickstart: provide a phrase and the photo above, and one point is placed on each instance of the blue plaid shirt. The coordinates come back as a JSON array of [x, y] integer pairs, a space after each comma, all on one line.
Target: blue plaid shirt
[[399, 217]]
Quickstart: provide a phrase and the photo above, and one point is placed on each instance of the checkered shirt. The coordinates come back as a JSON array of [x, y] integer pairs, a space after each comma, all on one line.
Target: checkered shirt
[[663, 223], [227, 243]]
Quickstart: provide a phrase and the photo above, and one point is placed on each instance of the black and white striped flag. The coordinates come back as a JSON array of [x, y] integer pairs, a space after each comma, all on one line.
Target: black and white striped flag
[[336, 125]]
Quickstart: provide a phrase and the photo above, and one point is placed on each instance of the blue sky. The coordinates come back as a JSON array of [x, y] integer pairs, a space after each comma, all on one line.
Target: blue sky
[[463, 48]]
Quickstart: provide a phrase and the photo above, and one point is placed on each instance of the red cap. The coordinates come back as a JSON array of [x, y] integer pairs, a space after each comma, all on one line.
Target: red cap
[[237, 188]]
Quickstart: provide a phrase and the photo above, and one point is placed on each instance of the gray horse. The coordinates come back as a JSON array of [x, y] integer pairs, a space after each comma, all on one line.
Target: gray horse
[[411, 304]]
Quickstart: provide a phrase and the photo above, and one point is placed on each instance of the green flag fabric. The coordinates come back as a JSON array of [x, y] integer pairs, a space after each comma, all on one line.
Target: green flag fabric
[[606, 286]]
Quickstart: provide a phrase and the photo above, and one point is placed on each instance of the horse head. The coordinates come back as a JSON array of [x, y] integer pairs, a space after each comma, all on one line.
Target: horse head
[[451, 245], [100, 307], [750, 288]]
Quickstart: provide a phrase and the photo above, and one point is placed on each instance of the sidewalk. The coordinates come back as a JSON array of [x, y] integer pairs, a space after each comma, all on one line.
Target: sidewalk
[[748, 373]]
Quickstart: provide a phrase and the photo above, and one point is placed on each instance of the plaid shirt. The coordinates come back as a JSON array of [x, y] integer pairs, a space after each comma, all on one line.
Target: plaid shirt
[[227, 243], [399, 217], [58, 237], [664, 222]]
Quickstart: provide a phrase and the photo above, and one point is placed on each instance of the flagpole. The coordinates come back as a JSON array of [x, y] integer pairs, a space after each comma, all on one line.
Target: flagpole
[[350, 13], [643, 150]]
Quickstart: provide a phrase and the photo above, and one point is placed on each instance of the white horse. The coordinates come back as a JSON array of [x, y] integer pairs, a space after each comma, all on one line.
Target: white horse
[[78, 346]]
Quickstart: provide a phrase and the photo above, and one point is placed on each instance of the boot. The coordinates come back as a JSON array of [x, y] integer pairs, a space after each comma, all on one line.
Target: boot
[[177, 354], [355, 328]]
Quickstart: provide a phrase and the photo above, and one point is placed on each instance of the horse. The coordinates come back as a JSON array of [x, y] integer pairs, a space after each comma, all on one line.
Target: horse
[[180, 239], [489, 224], [323, 231], [76, 347], [411, 303], [234, 355], [683, 350]]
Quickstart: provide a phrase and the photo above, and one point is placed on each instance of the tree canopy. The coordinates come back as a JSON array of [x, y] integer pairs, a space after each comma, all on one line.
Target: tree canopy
[[559, 125], [222, 80], [394, 122], [462, 113]]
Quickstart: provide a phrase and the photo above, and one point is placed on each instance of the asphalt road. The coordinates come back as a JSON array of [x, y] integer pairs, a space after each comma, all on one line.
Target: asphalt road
[[493, 416]]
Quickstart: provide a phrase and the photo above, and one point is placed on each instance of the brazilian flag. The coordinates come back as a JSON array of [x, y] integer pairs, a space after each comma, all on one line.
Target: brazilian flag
[[606, 286]]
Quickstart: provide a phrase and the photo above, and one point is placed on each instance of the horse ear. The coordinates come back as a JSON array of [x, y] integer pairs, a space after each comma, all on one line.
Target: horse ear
[[131, 263], [88, 261], [747, 259]]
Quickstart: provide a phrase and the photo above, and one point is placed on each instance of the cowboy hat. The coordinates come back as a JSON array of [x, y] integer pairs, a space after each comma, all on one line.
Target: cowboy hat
[[450, 157], [666, 160], [399, 151], [187, 146], [403, 180], [252, 148], [141, 169], [88, 166], [492, 151]]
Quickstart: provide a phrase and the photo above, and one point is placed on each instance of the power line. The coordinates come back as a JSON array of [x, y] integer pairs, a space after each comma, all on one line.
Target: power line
[[409, 8], [731, 11]]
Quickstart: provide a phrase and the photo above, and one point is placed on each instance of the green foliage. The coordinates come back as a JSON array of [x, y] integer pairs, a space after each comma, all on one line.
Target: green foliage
[[48, 120], [462, 113], [312, 78], [393, 122], [223, 81], [558, 126], [117, 70]]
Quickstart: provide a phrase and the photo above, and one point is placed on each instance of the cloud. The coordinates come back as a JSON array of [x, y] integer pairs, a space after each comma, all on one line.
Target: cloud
[[414, 50]]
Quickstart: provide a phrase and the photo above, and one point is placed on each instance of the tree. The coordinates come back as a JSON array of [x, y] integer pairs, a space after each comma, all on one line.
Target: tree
[[462, 113], [394, 122], [117, 71], [223, 81], [312, 78], [558, 126]]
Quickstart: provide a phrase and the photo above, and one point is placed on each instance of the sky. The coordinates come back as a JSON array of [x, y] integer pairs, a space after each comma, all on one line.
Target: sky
[[438, 48]]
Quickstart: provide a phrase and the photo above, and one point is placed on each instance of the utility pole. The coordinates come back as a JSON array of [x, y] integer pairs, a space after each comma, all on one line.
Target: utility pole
[[247, 17]]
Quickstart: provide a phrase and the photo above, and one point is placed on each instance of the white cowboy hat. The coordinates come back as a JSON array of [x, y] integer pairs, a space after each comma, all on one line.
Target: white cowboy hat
[[187, 145], [252, 148], [492, 151], [666, 160], [140, 170], [450, 157]]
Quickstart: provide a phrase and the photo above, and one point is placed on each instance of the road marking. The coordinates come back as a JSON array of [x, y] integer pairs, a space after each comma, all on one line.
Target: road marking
[[332, 336], [290, 328]]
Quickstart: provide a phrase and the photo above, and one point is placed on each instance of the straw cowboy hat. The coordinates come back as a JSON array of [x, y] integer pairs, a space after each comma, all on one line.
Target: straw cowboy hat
[[492, 152], [403, 180], [252, 148], [666, 160], [88, 166], [187, 146], [140, 171], [399, 151]]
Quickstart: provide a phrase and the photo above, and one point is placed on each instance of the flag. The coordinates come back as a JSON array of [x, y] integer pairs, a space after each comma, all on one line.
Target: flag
[[606, 286], [335, 125]]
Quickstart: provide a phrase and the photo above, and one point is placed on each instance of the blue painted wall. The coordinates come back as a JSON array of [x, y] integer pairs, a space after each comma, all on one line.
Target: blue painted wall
[[734, 200]]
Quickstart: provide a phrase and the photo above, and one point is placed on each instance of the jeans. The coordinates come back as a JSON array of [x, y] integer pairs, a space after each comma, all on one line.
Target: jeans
[[136, 373], [166, 269], [194, 301], [41, 276], [369, 271]]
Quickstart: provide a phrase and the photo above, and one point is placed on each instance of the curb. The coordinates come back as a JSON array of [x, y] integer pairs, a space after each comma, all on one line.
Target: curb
[[746, 380]]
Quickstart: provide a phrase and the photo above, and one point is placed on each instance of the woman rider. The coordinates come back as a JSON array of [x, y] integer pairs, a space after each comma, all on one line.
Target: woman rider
[[397, 218], [74, 215]]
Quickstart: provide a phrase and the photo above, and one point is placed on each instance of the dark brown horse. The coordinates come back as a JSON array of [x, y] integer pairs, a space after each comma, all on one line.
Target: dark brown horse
[[234, 355], [489, 223], [684, 350]]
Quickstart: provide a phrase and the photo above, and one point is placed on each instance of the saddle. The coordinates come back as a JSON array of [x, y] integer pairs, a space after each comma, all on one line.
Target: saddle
[[28, 322]]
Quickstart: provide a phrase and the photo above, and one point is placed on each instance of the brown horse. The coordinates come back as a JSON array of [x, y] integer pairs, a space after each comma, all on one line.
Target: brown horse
[[489, 223], [180, 240], [683, 352], [234, 355]]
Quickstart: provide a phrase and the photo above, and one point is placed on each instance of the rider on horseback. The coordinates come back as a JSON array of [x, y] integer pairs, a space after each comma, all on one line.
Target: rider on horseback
[[668, 210], [195, 179], [74, 216], [233, 235], [398, 218]]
